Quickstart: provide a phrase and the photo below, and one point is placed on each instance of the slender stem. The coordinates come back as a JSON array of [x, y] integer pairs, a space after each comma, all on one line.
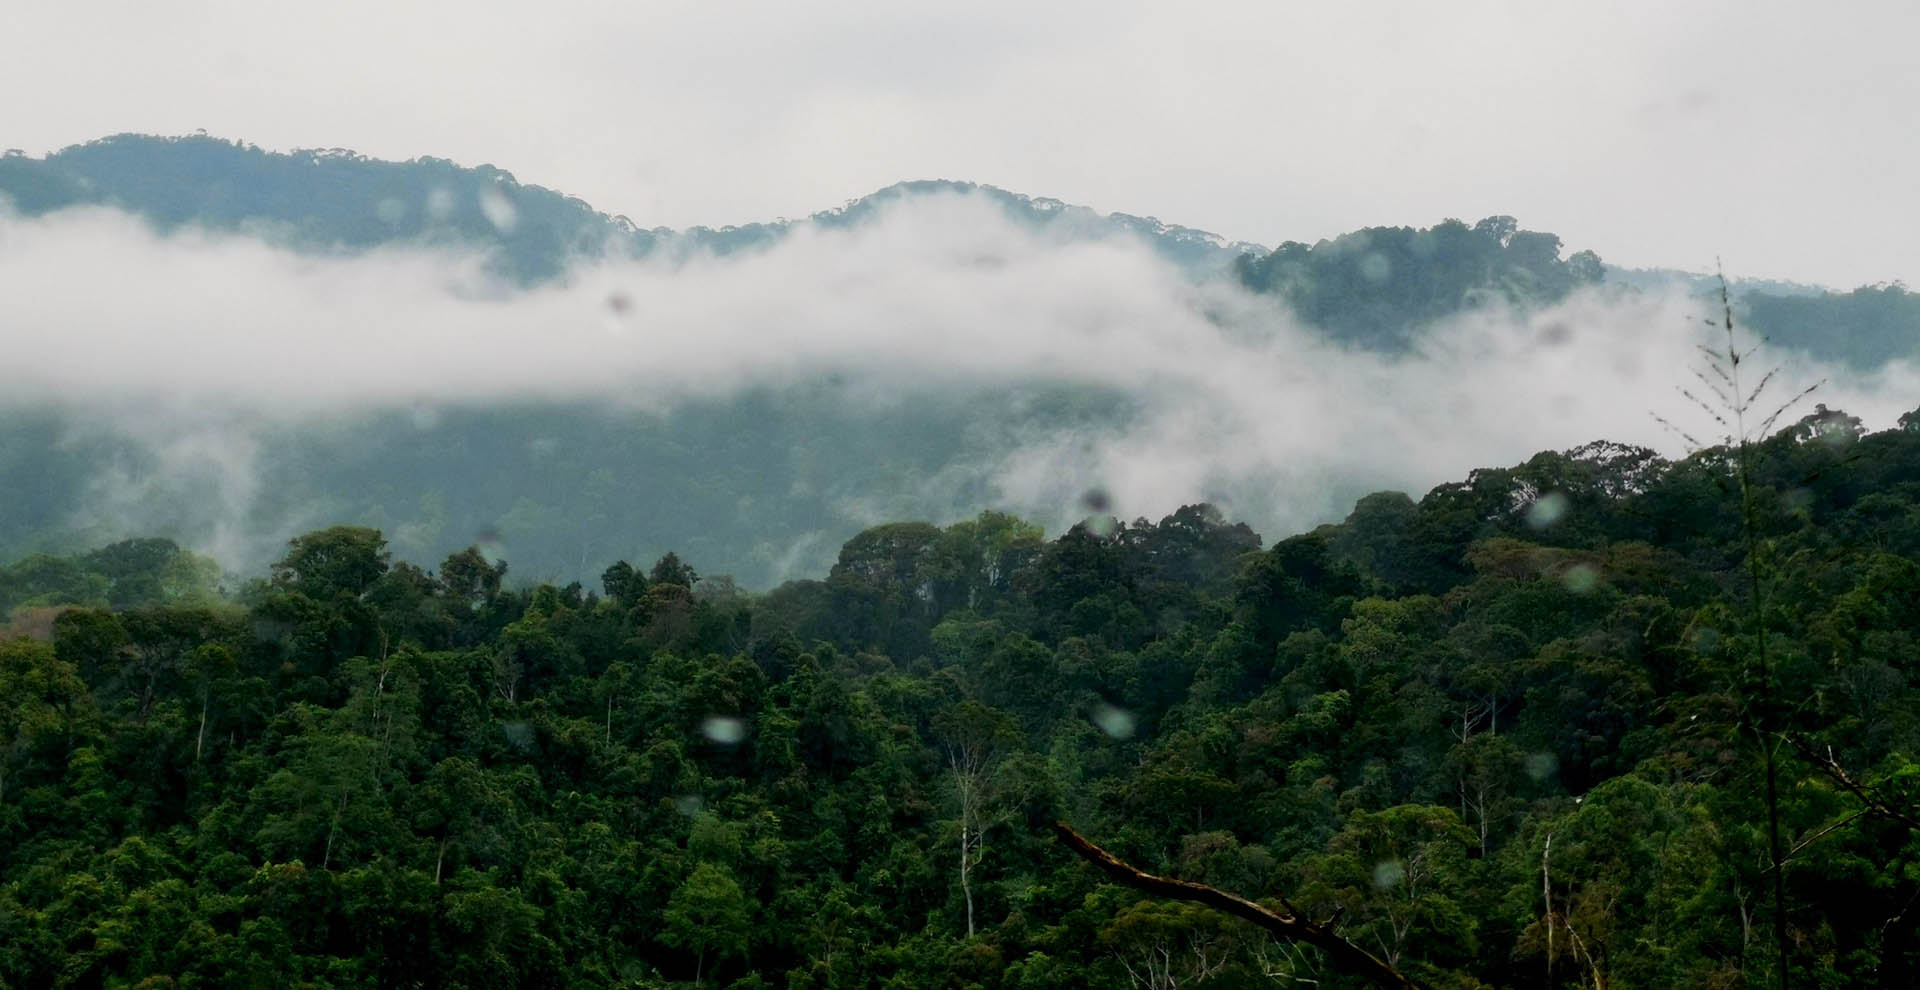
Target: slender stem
[[1765, 715]]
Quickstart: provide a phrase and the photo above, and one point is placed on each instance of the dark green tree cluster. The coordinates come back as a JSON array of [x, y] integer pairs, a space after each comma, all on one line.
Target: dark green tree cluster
[[317, 199], [1865, 328], [1505, 734], [122, 575], [1378, 286]]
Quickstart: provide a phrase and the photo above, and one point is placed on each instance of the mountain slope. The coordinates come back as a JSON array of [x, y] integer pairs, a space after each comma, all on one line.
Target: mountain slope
[[334, 199], [764, 476]]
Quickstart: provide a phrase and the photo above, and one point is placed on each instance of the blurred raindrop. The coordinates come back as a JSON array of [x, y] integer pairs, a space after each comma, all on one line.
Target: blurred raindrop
[[519, 734], [619, 312], [1388, 874], [1540, 766], [490, 543], [1096, 500], [390, 211], [1547, 510], [1102, 526], [1556, 334], [1116, 722], [689, 804], [1580, 578], [1798, 501], [1706, 639], [723, 729], [440, 203], [499, 210], [1376, 267], [425, 417]]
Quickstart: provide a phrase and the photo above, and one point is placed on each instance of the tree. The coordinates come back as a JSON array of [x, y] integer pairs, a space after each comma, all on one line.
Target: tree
[[670, 569], [708, 914], [43, 706], [341, 560], [973, 737]]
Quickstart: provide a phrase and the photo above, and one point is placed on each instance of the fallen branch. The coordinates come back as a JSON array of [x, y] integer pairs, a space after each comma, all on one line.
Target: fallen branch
[[1290, 927]]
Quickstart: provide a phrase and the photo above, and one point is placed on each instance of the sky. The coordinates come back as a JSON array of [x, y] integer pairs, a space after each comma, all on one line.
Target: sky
[[1778, 137]]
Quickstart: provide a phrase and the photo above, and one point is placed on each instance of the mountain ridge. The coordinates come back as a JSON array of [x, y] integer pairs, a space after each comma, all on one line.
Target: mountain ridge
[[219, 183]]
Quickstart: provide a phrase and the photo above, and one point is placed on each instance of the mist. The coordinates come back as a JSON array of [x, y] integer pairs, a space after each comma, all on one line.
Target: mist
[[196, 350]]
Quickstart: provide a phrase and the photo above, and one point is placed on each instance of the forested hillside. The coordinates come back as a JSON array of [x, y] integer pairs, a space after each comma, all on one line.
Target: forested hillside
[[1512, 732], [759, 474], [333, 199]]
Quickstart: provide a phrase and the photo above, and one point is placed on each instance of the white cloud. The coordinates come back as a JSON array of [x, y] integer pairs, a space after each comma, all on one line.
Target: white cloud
[[194, 342]]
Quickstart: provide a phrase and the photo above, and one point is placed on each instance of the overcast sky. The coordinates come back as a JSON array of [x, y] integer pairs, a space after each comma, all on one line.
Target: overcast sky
[[1777, 135]]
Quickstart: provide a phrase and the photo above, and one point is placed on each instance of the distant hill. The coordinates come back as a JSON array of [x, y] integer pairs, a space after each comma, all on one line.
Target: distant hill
[[1377, 287], [764, 483], [1863, 329], [334, 199], [1373, 288]]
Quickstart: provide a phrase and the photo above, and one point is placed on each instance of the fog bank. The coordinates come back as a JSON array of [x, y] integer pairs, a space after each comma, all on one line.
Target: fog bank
[[195, 345]]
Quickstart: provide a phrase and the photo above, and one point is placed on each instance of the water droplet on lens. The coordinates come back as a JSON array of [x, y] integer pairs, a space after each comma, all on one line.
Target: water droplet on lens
[[520, 734], [1116, 722], [499, 210], [1580, 578], [724, 729], [1547, 510], [390, 211]]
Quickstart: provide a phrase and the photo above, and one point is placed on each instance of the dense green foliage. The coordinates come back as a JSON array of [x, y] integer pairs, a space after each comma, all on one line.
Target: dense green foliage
[[124, 575], [1536, 683], [1379, 286], [1865, 328]]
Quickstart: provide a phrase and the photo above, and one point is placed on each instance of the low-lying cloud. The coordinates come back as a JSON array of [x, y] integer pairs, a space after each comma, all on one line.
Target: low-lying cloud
[[193, 342]]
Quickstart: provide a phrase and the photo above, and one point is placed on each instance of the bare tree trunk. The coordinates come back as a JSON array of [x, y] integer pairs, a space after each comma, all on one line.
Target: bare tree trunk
[[200, 740], [326, 859], [1546, 895], [966, 870]]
